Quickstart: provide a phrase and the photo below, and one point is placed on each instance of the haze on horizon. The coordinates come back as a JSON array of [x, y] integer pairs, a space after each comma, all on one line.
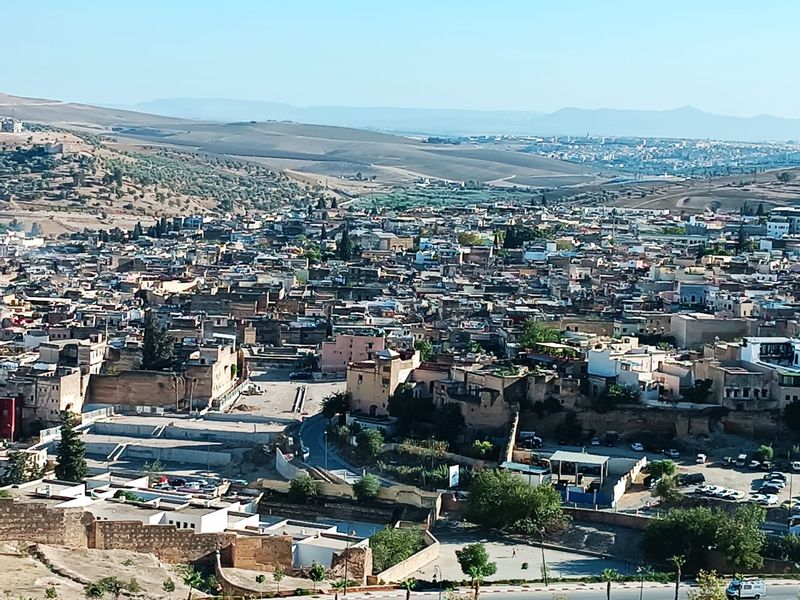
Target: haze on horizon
[[726, 57]]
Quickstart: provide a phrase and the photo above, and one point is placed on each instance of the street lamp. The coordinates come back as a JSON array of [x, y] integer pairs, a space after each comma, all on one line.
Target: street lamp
[[640, 571], [325, 435], [437, 579], [545, 576]]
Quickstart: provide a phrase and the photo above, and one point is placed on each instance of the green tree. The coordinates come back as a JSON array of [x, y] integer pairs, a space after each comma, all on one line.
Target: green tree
[[481, 448], [677, 561], [765, 452], [663, 468], [18, 469], [367, 487], [469, 238], [157, 346], [153, 468], [344, 248], [425, 349], [277, 576], [501, 500], [304, 489], [609, 576], [475, 564], [709, 587], [666, 490], [316, 573], [534, 332], [741, 538], [369, 443], [689, 532], [335, 404], [192, 578], [622, 394], [408, 585], [393, 545], [71, 457]]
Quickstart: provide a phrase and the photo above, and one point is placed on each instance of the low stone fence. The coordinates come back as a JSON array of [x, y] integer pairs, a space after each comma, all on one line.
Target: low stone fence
[[608, 517]]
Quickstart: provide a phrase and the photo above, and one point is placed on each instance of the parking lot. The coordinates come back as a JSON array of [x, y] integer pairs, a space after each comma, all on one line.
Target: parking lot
[[743, 481], [277, 395]]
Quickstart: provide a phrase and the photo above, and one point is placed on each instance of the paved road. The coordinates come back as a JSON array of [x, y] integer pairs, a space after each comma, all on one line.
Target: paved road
[[619, 591], [313, 436]]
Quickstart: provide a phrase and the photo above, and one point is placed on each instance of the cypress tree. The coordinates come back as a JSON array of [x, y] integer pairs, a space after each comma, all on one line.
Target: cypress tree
[[345, 247], [157, 347], [71, 451]]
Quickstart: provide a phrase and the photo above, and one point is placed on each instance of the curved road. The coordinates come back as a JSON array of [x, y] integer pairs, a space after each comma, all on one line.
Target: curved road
[[312, 432]]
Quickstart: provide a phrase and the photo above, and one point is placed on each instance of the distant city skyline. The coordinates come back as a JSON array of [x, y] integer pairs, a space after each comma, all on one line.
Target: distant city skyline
[[724, 57]]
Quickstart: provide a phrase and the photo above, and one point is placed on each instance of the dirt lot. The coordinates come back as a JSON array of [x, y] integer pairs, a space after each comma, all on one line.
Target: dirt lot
[[27, 577]]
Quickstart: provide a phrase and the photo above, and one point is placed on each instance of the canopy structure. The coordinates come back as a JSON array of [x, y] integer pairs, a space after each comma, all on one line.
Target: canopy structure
[[580, 458]]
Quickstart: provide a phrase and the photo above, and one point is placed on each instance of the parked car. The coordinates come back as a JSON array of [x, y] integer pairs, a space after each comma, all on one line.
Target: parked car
[[775, 476], [766, 465], [741, 460], [701, 459], [637, 447], [595, 441], [769, 489], [796, 465], [727, 461], [754, 464], [691, 478], [672, 453], [769, 500], [299, 375]]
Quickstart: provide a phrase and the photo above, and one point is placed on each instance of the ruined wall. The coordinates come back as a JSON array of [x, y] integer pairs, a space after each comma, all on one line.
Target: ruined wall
[[136, 388], [168, 543], [34, 522], [262, 553], [359, 564]]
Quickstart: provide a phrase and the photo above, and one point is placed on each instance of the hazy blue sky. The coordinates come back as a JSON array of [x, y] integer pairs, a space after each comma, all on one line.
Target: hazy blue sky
[[727, 56]]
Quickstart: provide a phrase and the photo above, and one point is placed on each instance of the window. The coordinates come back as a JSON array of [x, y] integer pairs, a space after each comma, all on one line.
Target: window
[[360, 379], [385, 382]]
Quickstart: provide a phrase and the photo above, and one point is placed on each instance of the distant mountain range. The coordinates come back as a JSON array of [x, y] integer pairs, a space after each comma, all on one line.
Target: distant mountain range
[[686, 122]]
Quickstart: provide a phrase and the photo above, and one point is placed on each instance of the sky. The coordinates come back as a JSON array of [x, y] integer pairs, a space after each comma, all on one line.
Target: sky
[[731, 57]]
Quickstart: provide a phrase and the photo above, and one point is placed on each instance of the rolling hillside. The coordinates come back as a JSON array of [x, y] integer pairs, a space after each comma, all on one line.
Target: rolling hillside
[[312, 149]]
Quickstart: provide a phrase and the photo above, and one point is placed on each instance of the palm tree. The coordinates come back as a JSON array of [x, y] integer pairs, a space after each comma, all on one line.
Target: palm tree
[[193, 579], [408, 585], [609, 575], [677, 561]]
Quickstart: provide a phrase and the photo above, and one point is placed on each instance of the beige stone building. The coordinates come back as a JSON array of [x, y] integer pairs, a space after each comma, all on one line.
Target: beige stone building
[[370, 383]]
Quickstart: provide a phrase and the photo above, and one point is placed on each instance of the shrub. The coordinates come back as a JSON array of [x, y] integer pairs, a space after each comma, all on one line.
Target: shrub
[[366, 488], [393, 545]]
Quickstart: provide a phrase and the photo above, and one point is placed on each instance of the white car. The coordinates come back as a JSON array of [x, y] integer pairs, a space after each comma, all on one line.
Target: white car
[[713, 490], [703, 489], [637, 447], [721, 493], [769, 500], [796, 466], [672, 453]]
